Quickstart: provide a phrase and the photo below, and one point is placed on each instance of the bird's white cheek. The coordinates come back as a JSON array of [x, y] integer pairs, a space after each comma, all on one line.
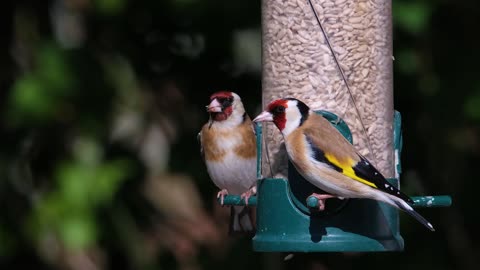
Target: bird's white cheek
[[287, 130], [293, 122]]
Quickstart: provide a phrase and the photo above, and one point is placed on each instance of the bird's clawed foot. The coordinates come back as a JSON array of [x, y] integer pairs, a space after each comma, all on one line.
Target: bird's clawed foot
[[222, 194], [249, 193], [321, 199]]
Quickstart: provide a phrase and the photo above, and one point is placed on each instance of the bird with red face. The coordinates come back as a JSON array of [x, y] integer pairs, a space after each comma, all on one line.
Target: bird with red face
[[326, 159], [228, 146]]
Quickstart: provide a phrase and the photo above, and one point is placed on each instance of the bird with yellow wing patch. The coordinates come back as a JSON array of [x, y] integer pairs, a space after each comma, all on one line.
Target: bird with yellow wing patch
[[326, 159]]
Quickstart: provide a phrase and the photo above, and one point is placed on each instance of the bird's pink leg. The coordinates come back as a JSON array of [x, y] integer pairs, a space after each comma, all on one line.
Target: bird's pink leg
[[249, 193], [321, 199], [222, 194]]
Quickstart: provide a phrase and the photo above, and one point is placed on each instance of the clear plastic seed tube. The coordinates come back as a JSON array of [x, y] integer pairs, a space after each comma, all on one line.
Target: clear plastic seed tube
[[297, 62]]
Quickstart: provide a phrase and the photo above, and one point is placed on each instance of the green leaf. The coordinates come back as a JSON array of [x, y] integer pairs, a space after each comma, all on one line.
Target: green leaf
[[78, 230], [110, 7], [472, 106], [54, 70], [84, 186], [109, 178], [29, 99], [74, 180], [412, 16], [87, 150], [39, 95]]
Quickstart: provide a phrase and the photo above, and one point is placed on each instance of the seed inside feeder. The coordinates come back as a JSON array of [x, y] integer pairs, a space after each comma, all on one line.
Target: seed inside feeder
[[298, 62]]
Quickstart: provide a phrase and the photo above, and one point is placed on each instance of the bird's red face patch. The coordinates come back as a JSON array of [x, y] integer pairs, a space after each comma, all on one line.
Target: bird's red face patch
[[225, 98], [277, 109], [221, 94]]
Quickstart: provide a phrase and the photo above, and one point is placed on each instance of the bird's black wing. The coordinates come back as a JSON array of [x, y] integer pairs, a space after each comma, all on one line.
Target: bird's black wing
[[365, 170]]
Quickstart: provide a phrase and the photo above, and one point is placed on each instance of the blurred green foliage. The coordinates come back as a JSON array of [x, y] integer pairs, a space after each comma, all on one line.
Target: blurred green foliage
[[110, 7], [472, 105], [412, 16], [84, 184], [38, 96]]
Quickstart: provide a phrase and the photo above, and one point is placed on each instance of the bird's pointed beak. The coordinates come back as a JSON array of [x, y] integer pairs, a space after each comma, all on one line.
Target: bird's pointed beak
[[214, 106], [264, 117]]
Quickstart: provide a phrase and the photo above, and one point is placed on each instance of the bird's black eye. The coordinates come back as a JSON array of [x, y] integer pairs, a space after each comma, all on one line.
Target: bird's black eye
[[226, 102], [278, 110]]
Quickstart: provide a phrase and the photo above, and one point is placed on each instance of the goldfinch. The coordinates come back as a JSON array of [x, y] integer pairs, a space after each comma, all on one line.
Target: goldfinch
[[228, 146], [327, 160]]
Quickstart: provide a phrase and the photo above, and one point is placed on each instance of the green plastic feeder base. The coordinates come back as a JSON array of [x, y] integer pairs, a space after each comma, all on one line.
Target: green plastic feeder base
[[335, 241], [287, 219], [281, 227]]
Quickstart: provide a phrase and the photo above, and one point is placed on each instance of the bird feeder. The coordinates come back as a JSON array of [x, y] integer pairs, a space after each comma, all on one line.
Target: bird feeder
[[334, 55], [288, 219]]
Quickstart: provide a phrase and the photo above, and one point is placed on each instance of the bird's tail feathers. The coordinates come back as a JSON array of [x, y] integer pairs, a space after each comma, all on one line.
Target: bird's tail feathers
[[401, 204], [241, 220]]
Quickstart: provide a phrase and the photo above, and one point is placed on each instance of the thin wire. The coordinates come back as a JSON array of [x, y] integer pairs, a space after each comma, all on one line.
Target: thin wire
[[344, 78], [264, 133], [268, 155]]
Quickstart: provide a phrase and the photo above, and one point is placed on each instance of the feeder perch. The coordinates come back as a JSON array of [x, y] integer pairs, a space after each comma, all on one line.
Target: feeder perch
[[287, 219]]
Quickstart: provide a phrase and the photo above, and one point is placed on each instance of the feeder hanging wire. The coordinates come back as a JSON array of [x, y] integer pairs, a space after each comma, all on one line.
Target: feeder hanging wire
[[344, 78]]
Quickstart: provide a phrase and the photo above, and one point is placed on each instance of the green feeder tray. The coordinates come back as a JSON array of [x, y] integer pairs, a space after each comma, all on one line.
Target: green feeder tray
[[287, 219]]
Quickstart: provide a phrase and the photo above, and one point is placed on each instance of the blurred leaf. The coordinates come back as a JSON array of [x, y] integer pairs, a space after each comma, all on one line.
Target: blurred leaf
[[412, 16], [110, 7], [7, 243], [247, 49], [406, 61], [87, 150], [29, 99], [78, 230], [40, 94], [48, 214], [472, 106], [74, 184], [54, 69], [109, 177], [84, 185], [83, 188], [121, 75]]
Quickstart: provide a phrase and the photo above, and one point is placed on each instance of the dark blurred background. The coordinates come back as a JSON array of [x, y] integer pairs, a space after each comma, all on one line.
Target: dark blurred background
[[101, 101]]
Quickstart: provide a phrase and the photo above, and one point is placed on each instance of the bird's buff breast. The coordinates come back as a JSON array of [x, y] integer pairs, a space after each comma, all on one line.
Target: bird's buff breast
[[230, 157], [217, 143], [235, 174]]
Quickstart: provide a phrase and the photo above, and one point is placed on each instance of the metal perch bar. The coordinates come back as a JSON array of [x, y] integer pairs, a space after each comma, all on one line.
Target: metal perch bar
[[432, 201], [419, 201], [236, 200]]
